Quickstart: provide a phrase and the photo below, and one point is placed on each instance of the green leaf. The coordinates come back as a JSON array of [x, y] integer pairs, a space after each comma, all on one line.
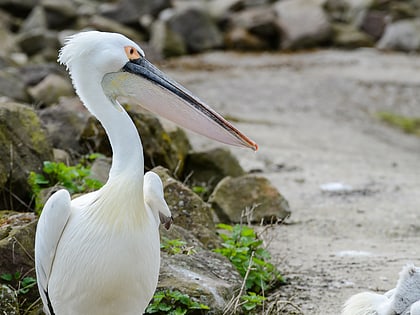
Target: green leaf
[[6, 277]]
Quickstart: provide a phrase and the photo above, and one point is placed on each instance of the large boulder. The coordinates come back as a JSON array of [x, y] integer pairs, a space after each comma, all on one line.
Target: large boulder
[[12, 85], [248, 198], [304, 23], [205, 276], [50, 89], [25, 146]]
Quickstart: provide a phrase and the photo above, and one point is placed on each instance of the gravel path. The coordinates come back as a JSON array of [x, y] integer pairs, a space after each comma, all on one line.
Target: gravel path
[[313, 116]]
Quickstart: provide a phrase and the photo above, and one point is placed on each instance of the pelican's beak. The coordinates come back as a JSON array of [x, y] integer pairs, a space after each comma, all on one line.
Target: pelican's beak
[[159, 94]]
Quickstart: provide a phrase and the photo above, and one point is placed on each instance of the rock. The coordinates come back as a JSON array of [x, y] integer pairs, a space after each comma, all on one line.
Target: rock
[[402, 35], [348, 11], [37, 41], [65, 123], [165, 41], [205, 276], [304, 23], [241, 39], [18, 7], [261, 22], [100, 169], [219, 10], [61, 156], [196, 28], [17, 234], [24, 144], [129, 12], [188, 210], [348, 36], [104, 24], [9, 303], [50, 89], [207, 168], [374, 23], [177, 232], [32, 74], [249, 194], [12, 85], [59, 13], [37, 19]]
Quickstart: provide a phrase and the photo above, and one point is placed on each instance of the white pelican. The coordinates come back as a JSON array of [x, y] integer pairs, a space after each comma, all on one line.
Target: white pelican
[[98, 254]]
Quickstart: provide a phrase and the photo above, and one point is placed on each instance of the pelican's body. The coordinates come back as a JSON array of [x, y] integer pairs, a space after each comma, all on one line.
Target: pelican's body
[[99, 254]]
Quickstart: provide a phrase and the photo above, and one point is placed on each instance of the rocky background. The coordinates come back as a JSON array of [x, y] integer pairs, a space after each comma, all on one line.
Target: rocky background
[[41, 119]]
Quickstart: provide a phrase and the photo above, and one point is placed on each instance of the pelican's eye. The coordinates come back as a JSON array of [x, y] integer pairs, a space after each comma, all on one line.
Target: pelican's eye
[[132, 53]]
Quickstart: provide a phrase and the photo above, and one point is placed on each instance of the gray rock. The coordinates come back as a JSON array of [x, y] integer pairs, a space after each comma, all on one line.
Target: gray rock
[[12, 85], [188, 210], [59, 13], [240, 39], [25, 146], [219, 10], [167, 42], [18, 7], [374, 23], [38, 41], [100, 169], [207, 168], [205, 276], [402, 35], [130, 11], [248, 197], [37, 19], [50, 89], [32, 74], [304, 23], [348, 11], [197, 29], [65, 123], [261, 22]]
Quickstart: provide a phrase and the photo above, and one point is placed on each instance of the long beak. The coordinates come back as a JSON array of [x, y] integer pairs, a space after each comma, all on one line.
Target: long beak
[[159, 94]]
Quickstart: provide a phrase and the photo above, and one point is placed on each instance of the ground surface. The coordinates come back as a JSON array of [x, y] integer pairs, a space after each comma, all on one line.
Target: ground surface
[[313, 116]]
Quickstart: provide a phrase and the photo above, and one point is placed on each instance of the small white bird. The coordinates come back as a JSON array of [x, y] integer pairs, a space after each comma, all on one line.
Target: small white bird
[[404, 299], [99, 254]]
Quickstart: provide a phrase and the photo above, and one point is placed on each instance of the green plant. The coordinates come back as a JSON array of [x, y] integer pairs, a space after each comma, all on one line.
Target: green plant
[[20, 285], [74, 178], [243, 247], [175, 246], [173, 302], [251, 300]]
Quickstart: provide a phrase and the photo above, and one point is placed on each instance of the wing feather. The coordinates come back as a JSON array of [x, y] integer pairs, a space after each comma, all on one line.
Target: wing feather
[[50, 227]]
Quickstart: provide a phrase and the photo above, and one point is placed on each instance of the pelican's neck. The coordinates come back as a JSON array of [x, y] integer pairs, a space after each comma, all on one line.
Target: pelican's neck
[[125, 141]]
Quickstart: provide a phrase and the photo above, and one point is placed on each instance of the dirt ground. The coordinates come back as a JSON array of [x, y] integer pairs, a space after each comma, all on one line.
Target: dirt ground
[[314, 117]]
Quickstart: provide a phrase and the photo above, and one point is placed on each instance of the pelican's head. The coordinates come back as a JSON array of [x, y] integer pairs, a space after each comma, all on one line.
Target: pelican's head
[[120, 66]]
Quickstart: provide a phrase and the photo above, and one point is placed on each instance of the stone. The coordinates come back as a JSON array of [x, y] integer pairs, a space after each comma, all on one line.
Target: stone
[[402, 35], [219, 10], [12, 85], [18, 7], [167, 42], [38, 41], [348, 11], [65, 123], [240, 39], [50, 89], [17, 234], [59, 13], [197, 29], [205, 276], [188, 210], [104, 24], [374, 23], [32, 74], [100, 169], [9, 303], [248, 198], [130, 11], [25, 146], [304, 23], [261, 22], [37, 19], [207, 168], [348, 36]]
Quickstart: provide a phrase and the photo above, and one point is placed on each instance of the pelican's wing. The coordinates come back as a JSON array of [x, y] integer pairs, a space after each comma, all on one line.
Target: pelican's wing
[[153, 197], [50, 227]]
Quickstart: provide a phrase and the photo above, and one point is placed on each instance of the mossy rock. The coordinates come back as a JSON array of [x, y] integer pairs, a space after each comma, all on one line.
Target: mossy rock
[[24, 145], [248, 198], [189, 210]]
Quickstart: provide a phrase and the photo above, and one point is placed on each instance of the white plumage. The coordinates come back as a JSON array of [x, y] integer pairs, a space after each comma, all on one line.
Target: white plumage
[[99, 254]]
